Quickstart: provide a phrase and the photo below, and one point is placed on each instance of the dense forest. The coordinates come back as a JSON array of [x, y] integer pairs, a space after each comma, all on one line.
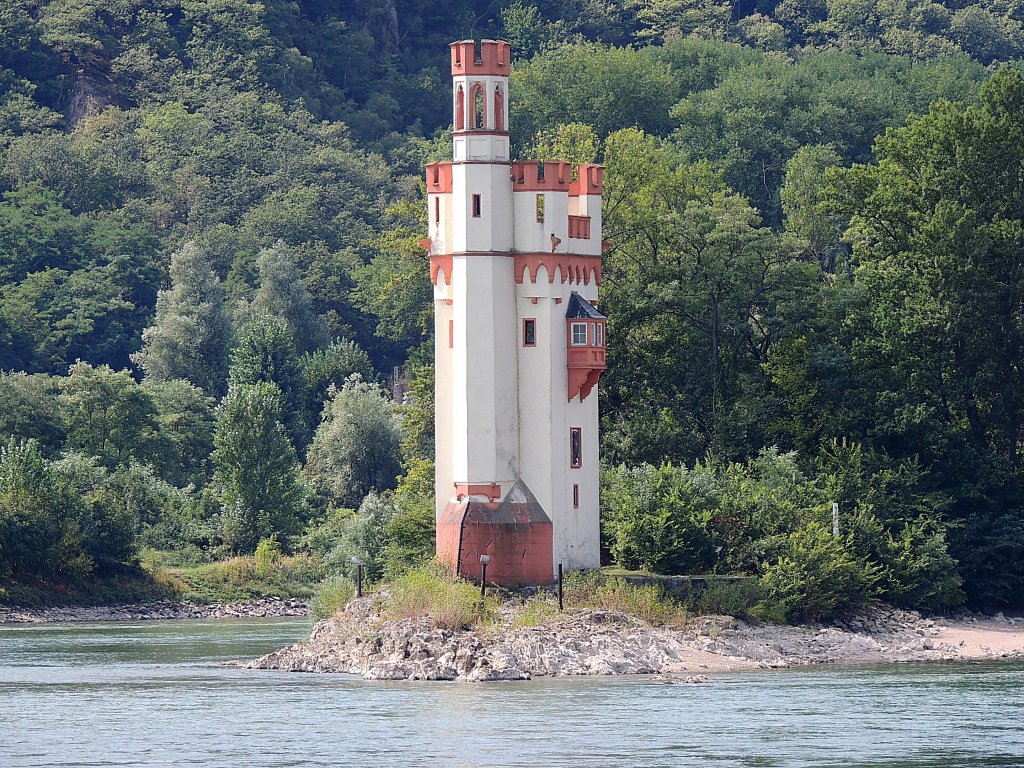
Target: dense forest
[[209, 277]]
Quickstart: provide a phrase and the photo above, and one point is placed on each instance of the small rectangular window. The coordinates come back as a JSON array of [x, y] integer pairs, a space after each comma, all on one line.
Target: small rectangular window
[[476, 206], [575, 447], [529, 332], [599, 329], [575, 496], [540, 208], [579, 334], [451, 334], [437, 210]]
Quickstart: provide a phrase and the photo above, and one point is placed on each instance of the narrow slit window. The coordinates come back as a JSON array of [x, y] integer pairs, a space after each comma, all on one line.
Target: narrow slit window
[[540, 208], [575, 447], [437, 210], [529, 332], [599, 330], [575, 496], [451, 334], [476, 206], [579, 334]]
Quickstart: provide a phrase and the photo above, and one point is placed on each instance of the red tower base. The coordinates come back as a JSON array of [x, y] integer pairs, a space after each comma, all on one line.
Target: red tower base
[[517, 535]]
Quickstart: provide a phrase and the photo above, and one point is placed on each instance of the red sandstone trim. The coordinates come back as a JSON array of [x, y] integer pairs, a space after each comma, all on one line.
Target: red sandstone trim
[[579, 227], [439, 179], [526, 176], [495, 58], [589, 180], [573, 268], [484, 132], [441, 262], [491, 491]]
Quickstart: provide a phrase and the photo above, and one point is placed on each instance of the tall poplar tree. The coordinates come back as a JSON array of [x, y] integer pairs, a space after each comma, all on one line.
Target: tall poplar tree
[[191, 336], [257, 472], [283, 294]]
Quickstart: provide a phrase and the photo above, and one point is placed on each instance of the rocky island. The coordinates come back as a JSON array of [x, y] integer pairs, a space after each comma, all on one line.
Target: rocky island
[[359, 641]]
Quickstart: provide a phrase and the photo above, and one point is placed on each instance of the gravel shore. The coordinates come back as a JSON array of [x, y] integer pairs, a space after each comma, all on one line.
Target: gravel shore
[[356, 641], [263, 608]]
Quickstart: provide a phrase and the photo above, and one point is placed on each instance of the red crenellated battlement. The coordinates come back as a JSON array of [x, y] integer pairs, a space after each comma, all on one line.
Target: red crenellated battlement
[[494, 60], [589, 180], [439, 178], [557, 176], [531, 175]]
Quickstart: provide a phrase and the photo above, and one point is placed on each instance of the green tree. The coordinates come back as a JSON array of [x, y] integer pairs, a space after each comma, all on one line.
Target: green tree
[[356, 448], [31, 529], [936, 231], [266, 353], [184, 417], [29, 409], [802, 197], [256, 471], [192, 331], [283, 294], [107, 415], [328, 368]]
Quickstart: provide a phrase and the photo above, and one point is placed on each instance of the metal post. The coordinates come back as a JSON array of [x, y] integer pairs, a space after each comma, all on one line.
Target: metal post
[[359, 575], [561, 603], [484, 560]]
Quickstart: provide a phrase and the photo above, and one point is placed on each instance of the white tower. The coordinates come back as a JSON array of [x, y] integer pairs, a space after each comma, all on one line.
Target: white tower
[[515, 258]]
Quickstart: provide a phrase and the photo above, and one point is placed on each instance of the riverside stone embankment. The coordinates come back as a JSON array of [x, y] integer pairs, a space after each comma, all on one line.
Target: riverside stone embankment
[[358, 642], [262, 608]]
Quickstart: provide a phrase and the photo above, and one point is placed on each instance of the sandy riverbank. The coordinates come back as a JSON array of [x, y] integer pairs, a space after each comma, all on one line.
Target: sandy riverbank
[[606, 643], [263, 608]]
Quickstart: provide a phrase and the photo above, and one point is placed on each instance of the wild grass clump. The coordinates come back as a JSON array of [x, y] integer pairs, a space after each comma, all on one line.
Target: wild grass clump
[[538, 611], [427, 590], [648, 602], [243, 578], [331, 596]]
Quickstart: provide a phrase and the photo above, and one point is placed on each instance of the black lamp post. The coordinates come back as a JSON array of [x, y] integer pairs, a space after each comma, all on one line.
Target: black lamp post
[[484, 560], [359, 576]]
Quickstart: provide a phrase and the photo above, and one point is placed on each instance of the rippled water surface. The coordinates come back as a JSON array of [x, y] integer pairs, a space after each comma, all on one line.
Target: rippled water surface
[[153, 694]]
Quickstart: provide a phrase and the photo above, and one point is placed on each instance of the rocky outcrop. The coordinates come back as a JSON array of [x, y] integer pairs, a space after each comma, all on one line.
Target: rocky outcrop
[[587, 643], [263, 608], [359, 642]]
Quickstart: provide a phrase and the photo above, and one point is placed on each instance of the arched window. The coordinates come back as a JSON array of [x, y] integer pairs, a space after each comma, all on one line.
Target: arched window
[[476, 97], [460, 110], [499, 109]]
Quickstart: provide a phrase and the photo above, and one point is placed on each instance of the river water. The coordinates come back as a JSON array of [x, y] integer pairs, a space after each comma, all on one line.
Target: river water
[[154, 694]]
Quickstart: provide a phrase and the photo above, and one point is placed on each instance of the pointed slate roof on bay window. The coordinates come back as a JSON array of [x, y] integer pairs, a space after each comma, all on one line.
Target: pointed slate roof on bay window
[[581, 308]]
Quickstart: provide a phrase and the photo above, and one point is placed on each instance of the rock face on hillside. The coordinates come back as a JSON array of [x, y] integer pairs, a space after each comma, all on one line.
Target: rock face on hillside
[[358, 642]]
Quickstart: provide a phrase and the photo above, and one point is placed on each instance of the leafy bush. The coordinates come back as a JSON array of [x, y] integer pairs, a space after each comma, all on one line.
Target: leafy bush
[[817, 578], [331, 596], [389, 533], [268, 555], [727, 598], [658, 518]]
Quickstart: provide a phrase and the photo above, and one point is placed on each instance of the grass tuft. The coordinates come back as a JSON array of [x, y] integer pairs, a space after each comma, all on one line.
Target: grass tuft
[[427, 590]]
